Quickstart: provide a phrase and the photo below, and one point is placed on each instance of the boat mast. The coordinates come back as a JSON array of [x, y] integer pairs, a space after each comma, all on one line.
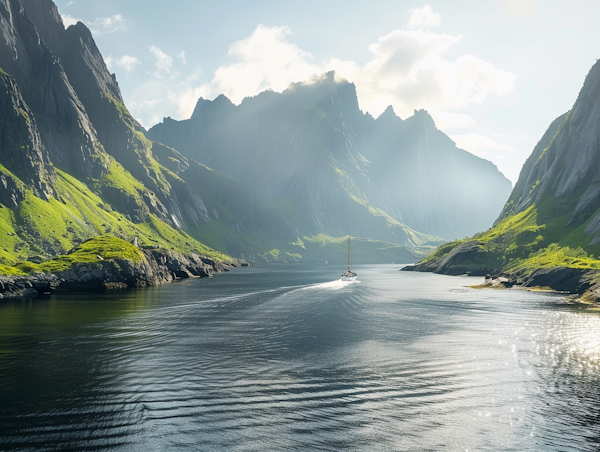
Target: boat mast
[[348, 254]]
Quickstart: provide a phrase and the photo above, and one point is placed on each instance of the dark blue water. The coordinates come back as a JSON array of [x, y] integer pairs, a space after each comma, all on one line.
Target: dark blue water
[[287, 358]]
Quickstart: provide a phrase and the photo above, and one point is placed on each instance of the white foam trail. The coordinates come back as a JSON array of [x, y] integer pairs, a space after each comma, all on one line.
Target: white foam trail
[[332, 285]]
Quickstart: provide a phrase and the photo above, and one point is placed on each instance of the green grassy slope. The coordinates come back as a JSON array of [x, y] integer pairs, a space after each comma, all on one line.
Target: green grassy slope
[[40, 229], [532, 239]]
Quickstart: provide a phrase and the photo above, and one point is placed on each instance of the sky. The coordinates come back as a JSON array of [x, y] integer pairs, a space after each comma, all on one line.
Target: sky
[[492, 74]]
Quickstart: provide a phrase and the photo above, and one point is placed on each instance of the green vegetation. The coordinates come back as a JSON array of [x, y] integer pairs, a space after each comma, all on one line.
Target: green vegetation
[[532, 239], [93, 250], [9, 242], [299, 243], [25, 116], [555, 256], [46, 228], [121, 179], [10, 271]]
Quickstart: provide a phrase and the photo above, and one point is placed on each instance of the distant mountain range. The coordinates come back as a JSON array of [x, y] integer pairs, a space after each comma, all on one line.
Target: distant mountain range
[[311, 155], [281, 176]]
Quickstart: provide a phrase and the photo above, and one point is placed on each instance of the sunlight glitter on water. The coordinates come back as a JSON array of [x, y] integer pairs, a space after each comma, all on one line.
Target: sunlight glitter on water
[[284, 359]]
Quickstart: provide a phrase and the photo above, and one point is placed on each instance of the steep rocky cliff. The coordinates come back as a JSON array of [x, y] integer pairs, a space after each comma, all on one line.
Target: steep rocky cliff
[[73, 162], [564, 167], [552, 218], [338, 170]]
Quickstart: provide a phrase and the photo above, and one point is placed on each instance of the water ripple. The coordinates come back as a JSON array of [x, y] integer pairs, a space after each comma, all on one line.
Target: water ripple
[[286, 361]]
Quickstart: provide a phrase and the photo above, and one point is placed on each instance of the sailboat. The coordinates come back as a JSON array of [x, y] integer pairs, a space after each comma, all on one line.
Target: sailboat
[[349, 275]]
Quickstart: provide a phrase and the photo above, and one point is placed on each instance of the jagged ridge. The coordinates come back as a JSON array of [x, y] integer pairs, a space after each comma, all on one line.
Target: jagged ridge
[[338, 170]]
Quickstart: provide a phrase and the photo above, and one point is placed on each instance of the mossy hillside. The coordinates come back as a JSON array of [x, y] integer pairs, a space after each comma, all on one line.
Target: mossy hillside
[[92, 250], [147, 169], [538, 237], [555, 256], [10, 243], [8, 270], [121, 179], [46, 228]]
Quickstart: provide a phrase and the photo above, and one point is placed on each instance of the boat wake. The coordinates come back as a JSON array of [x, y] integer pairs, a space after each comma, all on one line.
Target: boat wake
[[332, 285]]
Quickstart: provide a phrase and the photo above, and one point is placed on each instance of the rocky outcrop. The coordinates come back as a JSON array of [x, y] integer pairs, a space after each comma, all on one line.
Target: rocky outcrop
[[467, 258], [157, 267], [27, 286], [561, 279], [21, 148]]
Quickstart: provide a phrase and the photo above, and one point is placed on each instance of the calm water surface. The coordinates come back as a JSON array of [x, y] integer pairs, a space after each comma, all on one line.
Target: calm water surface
[[287, 358]]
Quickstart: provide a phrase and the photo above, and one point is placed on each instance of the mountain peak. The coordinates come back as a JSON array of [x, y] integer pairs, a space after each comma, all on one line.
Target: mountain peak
[[388, 114], [223, 100], [423, 118], [220, 102]]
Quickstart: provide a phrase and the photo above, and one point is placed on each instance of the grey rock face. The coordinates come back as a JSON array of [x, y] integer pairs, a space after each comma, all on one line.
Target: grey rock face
[[571, 280], [21, 148], [65, 129], [566, 162]]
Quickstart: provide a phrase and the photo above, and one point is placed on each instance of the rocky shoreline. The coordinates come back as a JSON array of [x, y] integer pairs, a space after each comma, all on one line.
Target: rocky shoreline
[[158, 267], [584, 283]]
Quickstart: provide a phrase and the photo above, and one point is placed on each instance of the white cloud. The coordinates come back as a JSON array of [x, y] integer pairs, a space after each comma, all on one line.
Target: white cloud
[[147, 105], [264, 60], [163, 63], [523, 8], [69, 4], [105, 25], [127, 62], [407, 70], [424, 17], [181, 56], [69, 20]]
